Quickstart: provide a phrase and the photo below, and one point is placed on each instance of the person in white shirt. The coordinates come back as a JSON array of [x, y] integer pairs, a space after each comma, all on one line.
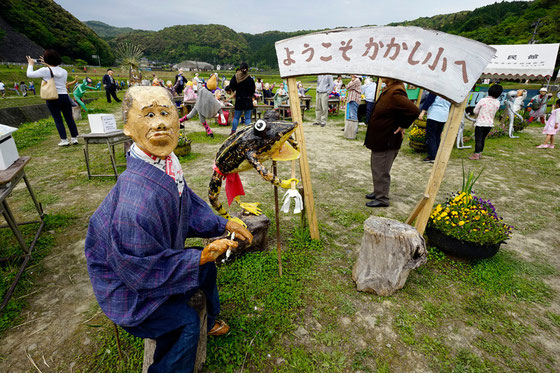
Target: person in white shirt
[[3, 89], [369, 89], [51, 59], [486, 111]]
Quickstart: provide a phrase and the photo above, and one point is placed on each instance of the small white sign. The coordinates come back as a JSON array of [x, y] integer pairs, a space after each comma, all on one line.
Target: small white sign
[[8, 150], [445, 64], [102, 123]]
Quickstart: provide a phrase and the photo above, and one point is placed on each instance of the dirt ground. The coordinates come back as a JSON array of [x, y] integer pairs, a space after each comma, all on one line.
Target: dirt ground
[[53, 334]]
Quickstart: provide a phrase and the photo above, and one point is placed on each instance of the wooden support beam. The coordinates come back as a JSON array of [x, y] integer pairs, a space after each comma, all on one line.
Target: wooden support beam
[[419, 98], [303, 163], [419, 206], [440, 164]]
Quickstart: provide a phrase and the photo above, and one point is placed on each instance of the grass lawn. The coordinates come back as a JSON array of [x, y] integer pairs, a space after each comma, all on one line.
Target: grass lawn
[[494, 315]]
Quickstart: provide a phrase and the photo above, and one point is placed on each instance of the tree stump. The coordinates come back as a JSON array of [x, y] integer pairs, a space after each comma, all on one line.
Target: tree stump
[[350, 129], [389, 251], [258, 226], [77, 113], [198, 302]]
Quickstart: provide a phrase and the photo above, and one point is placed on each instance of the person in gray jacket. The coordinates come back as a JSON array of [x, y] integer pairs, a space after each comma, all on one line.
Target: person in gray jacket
[[325, 85]]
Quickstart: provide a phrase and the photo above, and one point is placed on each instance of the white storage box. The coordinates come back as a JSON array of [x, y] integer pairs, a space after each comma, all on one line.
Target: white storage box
[[8, 149], [102, 123]]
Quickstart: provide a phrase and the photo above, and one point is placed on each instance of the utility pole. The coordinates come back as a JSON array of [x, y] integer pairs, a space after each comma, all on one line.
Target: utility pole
[[536, 24]]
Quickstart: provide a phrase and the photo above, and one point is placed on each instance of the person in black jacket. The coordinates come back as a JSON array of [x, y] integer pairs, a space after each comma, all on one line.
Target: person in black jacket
[[244, 87], [110, 86]]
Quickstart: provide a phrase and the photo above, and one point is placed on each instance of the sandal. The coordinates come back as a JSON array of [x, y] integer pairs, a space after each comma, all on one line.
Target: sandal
[[220, 328]]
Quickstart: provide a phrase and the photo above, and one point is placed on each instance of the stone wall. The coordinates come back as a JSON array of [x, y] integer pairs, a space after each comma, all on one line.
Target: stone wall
[[15, 116]]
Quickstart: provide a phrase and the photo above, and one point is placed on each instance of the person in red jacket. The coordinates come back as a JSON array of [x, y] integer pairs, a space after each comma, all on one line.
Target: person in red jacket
[[392, 114]]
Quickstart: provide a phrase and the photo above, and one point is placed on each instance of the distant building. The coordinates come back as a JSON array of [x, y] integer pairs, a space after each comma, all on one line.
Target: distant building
[[144, 62], [193, 66]]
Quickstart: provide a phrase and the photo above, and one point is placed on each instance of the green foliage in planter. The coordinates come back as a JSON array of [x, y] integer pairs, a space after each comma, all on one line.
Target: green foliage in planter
[[417, 134], [468, 217], [497, 131]]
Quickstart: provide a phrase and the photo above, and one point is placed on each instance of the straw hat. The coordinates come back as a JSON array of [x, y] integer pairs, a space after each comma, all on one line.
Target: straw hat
[[212, 84]]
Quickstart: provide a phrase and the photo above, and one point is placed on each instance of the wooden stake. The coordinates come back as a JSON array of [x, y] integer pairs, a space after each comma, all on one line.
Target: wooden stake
[[419, 98], [423, 210], [419, 206], [303, 163], [278, 248], [378, 88]]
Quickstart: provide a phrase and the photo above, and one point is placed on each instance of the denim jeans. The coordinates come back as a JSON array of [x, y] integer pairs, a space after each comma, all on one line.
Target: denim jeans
[[369, 110], [237, 115], [433, 136], [63, 104], [352, 110], [175, 326]]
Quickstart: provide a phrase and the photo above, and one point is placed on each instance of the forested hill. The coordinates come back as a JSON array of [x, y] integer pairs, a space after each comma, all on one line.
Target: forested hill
[[216, 44], [106, 31], [49, 25], [500, 23]]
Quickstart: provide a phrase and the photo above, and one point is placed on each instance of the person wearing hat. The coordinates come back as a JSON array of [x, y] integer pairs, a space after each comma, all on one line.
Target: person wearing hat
[[189, 93], [538, 105], [244, 87], [206, 105], [179, 82], [80, 91]]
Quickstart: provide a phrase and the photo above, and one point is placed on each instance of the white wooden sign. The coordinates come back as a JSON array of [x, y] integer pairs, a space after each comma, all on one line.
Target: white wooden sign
[[446, 64]]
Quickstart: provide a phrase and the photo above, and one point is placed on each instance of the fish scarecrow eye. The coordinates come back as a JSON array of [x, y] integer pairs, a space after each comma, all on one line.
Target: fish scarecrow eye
[[260, 125], [150, 115]]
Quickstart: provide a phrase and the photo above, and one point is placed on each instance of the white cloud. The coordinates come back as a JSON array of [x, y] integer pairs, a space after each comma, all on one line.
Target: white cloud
[[256, 16]]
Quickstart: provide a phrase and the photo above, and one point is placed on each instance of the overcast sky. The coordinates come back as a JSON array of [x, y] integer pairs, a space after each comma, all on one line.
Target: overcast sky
[[256, 16]]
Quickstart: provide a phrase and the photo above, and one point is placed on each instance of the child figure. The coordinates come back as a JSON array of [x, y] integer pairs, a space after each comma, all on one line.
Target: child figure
[[343, 92], [538, 106], [486, 111], [188, 92], [551, 127]]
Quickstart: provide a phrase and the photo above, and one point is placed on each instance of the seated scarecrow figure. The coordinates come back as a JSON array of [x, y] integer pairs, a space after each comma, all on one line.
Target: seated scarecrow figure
[[142, 275]]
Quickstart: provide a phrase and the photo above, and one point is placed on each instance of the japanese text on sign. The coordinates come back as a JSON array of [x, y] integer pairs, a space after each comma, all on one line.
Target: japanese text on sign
[[425, 58]]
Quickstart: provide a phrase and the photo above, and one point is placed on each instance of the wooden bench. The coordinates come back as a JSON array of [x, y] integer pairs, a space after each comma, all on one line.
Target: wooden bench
[[9, 179], [285, 108], [110, 139]]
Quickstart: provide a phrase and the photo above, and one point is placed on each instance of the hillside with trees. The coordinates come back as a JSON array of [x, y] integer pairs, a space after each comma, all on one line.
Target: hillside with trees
[[50, 26], [500, 23], [209, 43], [106, 31]]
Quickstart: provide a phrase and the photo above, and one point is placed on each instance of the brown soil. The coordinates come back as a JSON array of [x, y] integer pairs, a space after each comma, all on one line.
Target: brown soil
[[53, 331]]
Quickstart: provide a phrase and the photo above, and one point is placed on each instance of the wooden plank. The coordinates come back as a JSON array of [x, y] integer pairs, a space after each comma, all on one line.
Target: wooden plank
[[378, 88], [419, 97], [440, 163], [303, 162], [419, 206]]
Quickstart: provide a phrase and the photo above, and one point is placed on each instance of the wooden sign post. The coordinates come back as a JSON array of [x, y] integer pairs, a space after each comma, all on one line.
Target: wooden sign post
[[295, 108], [447, 65], [422, 211]]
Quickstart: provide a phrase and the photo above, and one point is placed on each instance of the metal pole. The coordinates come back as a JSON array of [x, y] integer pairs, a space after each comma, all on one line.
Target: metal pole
[[278, 248]]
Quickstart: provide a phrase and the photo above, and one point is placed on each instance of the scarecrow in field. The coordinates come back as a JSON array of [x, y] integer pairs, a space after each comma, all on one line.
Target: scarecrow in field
[[207, 106], [142, 275], [81, 90]]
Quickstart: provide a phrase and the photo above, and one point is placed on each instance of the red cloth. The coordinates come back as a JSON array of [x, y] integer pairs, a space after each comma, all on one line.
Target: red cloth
[[226, 117], [233, 187]]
